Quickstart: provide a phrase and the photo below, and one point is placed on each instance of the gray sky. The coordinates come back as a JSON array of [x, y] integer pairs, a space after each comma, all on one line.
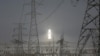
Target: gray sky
[[66, 18]]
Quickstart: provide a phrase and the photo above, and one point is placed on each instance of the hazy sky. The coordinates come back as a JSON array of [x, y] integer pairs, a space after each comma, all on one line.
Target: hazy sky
[[66, 18]]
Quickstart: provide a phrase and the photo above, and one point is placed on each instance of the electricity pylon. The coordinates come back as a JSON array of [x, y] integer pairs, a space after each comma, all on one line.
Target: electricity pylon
[[18, 41], [33, 33], [90, 29]]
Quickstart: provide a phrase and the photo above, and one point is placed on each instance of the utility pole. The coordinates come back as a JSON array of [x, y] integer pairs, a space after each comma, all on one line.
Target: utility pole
[[33, 33], [90, 32]]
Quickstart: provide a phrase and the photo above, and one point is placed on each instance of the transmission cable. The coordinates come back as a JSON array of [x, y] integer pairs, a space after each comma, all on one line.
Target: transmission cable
[[52, 12]]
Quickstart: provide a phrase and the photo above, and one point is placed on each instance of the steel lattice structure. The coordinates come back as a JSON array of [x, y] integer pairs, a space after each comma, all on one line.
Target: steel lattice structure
[[18, 41], [90, 30], [33, 33]]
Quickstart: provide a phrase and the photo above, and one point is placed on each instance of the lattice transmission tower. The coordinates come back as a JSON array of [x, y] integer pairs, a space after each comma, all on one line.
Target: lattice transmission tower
[[33, 33], [18, 39], [90, 31]]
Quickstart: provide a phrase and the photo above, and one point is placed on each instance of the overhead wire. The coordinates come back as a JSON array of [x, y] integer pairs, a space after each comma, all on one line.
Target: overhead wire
[[57, 7]]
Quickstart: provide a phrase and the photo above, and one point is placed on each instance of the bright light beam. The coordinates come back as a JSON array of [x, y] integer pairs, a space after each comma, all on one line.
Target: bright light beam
[[49, 34]]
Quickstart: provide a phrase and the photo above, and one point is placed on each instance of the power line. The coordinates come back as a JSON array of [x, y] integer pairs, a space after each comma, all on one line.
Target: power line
[[57, 7]]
